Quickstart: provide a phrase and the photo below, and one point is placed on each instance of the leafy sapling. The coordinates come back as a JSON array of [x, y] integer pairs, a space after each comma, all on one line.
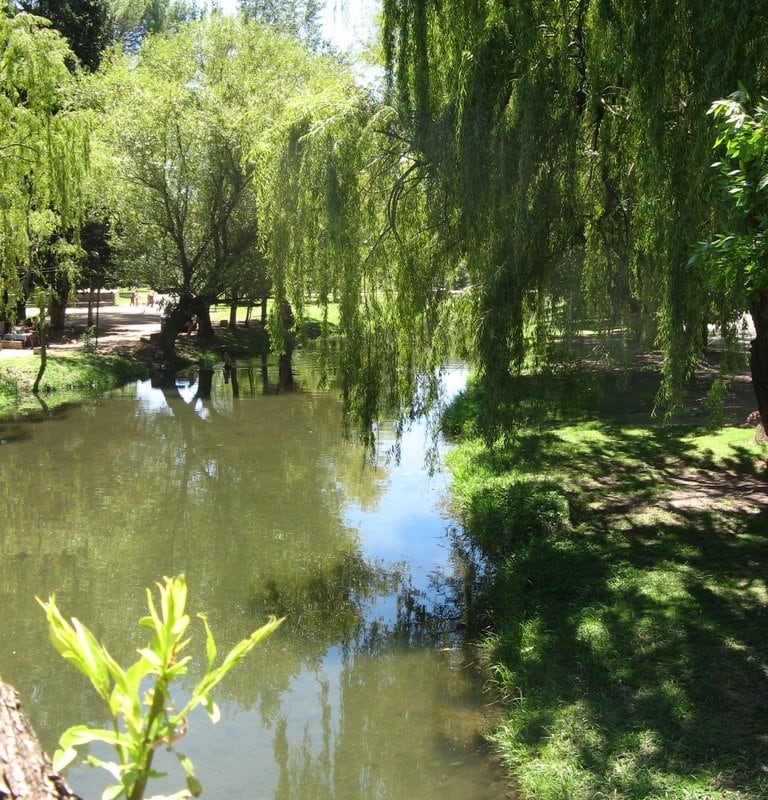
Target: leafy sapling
[[140, 724]]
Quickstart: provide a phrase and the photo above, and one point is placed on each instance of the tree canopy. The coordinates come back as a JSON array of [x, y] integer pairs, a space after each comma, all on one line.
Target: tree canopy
[[567, 147], [44, 155], [194, 132], [298, 18], [532, 170], [85, 24]]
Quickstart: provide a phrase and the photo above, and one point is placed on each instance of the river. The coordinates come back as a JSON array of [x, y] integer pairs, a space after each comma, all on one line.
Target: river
[[266, 508]]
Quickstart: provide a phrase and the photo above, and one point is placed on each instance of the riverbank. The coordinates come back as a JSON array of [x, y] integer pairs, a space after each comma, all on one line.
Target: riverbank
[[84, 363], [625, 601], [80, 365]]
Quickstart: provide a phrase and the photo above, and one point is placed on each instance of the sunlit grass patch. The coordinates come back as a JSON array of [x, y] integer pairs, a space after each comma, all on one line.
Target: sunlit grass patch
[[726, 444], [628, 645], [67, 379]]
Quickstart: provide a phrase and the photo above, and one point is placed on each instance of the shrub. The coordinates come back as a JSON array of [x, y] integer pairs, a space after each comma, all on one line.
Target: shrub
[[501, 513]]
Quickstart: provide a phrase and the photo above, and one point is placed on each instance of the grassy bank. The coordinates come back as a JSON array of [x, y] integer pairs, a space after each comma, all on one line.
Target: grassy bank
[[68, 378], [77, 375], [626, 606]]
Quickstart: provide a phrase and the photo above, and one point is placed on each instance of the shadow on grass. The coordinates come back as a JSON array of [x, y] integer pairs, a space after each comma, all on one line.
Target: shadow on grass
[[638, 660], [630, 643]]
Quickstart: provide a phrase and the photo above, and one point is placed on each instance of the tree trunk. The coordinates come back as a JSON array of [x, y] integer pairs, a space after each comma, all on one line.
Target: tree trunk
[[43, 351], [233, 309], [758, 358], [204, 326], [170, 330], [58, 305], [25, 770]]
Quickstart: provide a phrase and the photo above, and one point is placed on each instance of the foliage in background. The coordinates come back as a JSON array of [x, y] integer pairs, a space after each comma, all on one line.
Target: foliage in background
[[44, 139], [192, 137], [564, 148], [297, 18], [735, 259], [85, 24], [143, 716]]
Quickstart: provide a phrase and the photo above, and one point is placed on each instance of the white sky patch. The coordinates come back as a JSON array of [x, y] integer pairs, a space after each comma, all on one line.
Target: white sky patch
[[347, 24]]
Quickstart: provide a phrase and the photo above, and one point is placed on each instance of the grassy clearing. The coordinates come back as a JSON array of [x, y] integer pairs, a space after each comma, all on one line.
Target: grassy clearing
[[312, 313], [627, 600], [68, 378]]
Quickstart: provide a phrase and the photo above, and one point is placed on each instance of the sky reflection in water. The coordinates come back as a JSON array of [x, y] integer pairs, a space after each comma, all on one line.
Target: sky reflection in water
[[340, 703]]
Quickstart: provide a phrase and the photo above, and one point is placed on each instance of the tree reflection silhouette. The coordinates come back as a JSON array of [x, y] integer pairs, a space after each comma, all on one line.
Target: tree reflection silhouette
[[249, 501]]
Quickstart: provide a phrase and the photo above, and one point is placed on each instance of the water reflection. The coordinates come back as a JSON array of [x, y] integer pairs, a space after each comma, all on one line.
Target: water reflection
[[266, 509]]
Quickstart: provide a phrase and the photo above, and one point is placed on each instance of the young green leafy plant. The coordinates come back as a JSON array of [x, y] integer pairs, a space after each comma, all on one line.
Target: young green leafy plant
[[142, 723]]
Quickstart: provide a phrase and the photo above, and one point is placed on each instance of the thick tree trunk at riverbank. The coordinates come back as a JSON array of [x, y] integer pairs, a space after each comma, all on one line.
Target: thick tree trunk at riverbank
[[758, 356], [189, 307], [26, 772]]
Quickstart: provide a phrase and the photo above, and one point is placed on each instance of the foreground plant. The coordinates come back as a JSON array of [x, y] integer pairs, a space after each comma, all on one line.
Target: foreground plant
[[141, 724]]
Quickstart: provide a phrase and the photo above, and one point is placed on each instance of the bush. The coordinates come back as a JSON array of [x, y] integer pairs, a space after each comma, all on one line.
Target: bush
[[502, 513]]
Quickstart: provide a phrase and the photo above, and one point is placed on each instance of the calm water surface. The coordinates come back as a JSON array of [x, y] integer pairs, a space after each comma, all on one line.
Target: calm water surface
[[265, 508]]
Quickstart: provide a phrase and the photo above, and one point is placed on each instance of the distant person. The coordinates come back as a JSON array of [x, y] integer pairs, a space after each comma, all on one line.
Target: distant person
[[28, 328], [150, 299], [134, 298]]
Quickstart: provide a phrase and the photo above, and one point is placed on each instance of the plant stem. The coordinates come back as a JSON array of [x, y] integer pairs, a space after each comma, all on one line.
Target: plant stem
[[147, 750]]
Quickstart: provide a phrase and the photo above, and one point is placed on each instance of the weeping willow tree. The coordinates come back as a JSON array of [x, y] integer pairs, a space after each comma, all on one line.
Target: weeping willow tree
[[566, 147], [43, 160], [337, 235]]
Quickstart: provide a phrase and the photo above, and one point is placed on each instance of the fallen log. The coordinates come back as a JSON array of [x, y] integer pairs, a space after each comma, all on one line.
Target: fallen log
[[26, 772]]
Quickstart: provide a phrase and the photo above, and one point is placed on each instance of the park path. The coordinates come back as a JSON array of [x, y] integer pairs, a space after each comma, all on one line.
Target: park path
[[119, 327]]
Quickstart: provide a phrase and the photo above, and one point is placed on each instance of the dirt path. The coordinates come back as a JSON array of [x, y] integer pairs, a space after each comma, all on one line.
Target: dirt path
[[120, 328]]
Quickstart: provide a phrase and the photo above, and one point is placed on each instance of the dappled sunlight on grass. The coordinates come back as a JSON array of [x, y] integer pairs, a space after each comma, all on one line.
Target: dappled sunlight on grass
[[629, 644], [635, 668]]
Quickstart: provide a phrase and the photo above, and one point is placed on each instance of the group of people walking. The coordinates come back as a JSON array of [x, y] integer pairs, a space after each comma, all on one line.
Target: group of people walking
[[152, 301]]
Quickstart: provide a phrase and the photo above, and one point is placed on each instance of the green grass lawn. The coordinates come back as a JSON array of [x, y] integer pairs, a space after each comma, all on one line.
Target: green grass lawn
[[626, 605], [68, 378]]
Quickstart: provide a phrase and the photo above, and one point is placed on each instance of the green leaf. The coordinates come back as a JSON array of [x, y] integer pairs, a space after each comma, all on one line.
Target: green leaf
[[112, 792], [210, 643], [83, 734], [91, 653], [153, 620], [211, 708], [193, 784], [63, 758], [111, 767], [151, 657]]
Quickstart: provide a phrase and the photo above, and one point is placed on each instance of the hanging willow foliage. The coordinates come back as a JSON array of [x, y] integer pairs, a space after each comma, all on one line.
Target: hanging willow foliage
[[43, 146], [569, 145], [342, 232]]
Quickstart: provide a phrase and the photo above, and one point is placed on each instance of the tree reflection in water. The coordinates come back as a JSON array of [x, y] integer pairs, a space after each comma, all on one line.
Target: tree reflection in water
[[249, 497]]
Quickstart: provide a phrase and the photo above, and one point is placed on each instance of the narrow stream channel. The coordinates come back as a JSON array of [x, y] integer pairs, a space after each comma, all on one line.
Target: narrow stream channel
[[267, 509]]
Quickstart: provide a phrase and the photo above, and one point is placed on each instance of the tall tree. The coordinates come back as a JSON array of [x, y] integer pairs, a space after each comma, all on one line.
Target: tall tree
[[135, 19], [566, 146], [85, 24], [193, 128], [298, 18], [44, 139]]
